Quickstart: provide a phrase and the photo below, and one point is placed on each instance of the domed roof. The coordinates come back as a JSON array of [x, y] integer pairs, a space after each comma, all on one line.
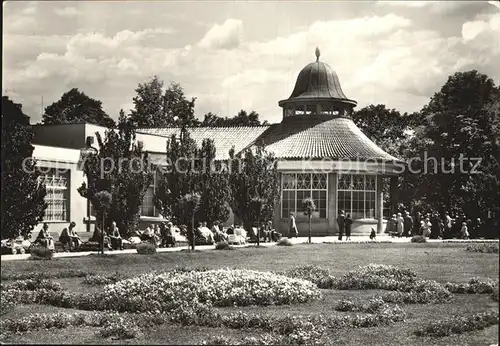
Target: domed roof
[[318, 81]]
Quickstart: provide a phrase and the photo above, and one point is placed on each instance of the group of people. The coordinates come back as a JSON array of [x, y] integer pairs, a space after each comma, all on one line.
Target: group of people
[[433, 225], [70, 240], [345, 225]]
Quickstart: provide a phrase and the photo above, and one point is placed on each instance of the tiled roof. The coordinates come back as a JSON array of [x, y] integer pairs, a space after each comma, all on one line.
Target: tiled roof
[[321, 137], [224, 137], [296, 137]]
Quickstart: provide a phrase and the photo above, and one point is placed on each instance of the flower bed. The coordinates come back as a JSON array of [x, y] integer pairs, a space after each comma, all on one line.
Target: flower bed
[[483, 247], [222, 287], [459, 325], [474, 286], [44, 275], [32, 285], [95, 280]]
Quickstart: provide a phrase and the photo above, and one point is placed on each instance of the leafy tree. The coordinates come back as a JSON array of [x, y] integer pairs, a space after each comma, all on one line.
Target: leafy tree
[[189, 205], [241, 119], [23, 204], [309, 207], [122, 168], [255, 185], [156, 107], [76, 107], [461, 120], [193, 170]]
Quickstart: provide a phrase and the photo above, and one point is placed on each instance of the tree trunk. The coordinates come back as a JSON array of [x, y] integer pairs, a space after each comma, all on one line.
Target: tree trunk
[[258, 234], [102, 232], [193, 240], [309, 229]]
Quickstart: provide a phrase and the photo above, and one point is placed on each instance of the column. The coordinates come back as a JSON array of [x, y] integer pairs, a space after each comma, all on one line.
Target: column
[[277, 213], [380, 204], [332, 203], [394, 194]]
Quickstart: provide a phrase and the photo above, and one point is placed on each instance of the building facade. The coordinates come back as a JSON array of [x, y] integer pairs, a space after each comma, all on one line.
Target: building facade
[[321, 154]]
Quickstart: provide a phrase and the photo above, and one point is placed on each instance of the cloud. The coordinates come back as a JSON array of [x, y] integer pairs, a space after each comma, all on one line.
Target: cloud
[[226, 36], [68, 12], [411, 4]]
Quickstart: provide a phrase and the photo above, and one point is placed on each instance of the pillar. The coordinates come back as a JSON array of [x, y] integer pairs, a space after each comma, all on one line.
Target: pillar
[[380, 204], [332, 203], [394, 194], [277, 212]]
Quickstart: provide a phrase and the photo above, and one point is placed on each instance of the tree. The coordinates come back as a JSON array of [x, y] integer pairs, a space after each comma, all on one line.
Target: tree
[[76, 107], [193, 170], [255, 185], [23, 204], [461, 121], [309, 207], [189, 205], [241, 119], [103, 201], [156, 107], [122, 168]]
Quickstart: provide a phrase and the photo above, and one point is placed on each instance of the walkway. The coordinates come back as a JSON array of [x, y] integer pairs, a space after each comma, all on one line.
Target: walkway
[[332, 239]]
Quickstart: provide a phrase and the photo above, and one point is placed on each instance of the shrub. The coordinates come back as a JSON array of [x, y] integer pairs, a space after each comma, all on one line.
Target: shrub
[[44, 275], [494, 295], [312, 273], [146, 248], [483, 247], [373, 305], [96, 280], [6, 305], [41, 253], [120, 329], [33, 284], [474, 286], [412, 297], [459, 325], [284, 242], [418, 239], [223, 246]]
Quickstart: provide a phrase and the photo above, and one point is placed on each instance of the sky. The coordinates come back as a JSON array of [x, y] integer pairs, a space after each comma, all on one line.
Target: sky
[[243, 54]]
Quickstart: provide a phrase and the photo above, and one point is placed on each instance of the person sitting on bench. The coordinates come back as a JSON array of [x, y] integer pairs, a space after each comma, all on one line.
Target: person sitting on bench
[[66, 238], [115, 237], [44, 238]]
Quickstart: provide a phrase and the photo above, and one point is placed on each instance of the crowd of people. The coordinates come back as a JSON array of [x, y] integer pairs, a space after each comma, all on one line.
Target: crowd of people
[[435, 225]]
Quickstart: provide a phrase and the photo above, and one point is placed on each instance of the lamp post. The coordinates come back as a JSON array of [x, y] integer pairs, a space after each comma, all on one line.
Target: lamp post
[[85, 153]]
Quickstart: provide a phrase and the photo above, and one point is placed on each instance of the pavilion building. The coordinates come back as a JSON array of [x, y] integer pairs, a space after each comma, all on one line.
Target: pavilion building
[[321, 154]]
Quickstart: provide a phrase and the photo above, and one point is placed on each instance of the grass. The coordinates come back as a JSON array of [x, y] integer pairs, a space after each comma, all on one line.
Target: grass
[[436, 261]]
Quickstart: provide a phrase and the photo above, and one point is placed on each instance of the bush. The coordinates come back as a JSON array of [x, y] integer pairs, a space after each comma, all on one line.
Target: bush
[[373, 305], [474, 286], [146, 248], [483, 247], [284, 242], [223, 246], [459, 325], [44, 275], [120, 329], [494, 295], [312, 273], [418, 239], [41, 253], [33, 284]]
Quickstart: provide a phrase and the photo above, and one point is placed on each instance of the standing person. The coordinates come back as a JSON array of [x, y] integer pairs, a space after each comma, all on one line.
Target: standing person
[[293, 231], [391, 227], [436, 226], [341, 224], [464, 231], [400, 225], [348, 225], [447, 225], [416, 224], [426, 227], [408, 224]]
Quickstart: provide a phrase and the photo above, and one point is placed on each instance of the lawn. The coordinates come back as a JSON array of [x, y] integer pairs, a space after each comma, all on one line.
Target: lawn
[[436, 261]]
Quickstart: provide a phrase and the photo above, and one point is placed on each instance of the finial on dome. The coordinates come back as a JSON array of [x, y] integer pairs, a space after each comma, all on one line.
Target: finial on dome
[[318, 53]]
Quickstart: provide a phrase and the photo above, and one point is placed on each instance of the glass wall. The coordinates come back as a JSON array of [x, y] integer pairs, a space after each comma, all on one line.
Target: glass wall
[[298, 186], [356, 195]]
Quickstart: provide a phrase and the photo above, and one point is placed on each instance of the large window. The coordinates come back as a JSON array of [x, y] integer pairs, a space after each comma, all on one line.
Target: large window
[[148, 206], [297, 186], [57, 198], [356, 195]]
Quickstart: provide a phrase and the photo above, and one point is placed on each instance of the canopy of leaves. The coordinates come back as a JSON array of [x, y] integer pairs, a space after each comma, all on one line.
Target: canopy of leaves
[[23, 204], [76, 107], [255, 185], [308, 205], [193, 170], [122, 168], [155, 106], [241, 119], [462, 119]]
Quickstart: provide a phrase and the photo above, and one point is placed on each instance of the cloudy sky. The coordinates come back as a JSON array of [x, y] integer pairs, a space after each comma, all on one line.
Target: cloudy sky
[[243, 55]]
